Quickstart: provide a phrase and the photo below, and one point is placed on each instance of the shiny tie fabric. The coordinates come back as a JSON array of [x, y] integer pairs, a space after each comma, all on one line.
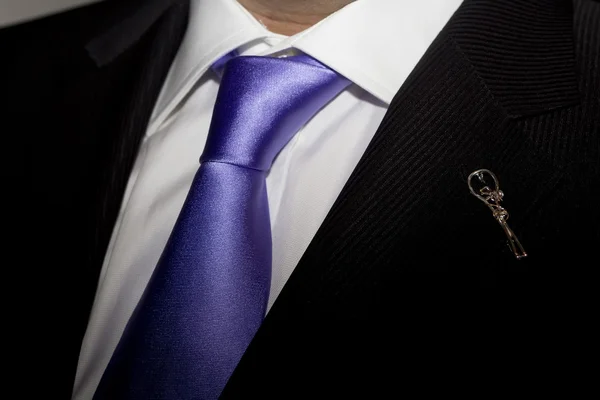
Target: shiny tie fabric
[[208, 294]]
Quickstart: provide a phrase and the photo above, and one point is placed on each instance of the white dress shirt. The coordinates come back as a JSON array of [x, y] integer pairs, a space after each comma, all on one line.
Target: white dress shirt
[[374, 43]]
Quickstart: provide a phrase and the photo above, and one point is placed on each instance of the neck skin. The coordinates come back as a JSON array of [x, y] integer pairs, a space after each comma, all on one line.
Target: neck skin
[[288, 17]]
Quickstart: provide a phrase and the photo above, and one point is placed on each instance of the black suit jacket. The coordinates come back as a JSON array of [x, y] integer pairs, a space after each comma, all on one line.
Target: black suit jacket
[[408, 287]]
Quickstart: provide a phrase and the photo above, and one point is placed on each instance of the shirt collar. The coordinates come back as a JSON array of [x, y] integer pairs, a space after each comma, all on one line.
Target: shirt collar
[[215, 28], [374, 43], [377, 43]]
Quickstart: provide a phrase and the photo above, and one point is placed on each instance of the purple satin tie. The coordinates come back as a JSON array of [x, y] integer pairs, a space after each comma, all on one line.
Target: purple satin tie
[[208, 294]]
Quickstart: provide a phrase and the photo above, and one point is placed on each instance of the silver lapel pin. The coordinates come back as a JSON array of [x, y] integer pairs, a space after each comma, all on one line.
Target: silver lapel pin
[[492, 196]]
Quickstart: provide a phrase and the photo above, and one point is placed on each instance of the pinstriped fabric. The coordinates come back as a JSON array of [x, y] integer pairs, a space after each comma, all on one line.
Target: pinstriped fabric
[[570, 138], [572, 135], [587, 33], [411, 156], [528, 64]]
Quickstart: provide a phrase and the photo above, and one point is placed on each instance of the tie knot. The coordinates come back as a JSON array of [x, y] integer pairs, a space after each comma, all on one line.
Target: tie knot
[[262, 102]]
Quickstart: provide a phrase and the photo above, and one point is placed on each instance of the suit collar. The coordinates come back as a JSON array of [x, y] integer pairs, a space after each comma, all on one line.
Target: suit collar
[[522, 50], [379, 56]]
